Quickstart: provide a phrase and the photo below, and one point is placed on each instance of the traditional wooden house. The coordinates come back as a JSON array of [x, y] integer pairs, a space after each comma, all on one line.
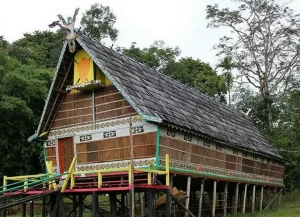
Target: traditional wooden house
[[96, 92]]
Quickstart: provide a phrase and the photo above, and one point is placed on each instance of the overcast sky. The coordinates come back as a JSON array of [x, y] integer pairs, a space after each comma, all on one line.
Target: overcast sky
[[177, 22]]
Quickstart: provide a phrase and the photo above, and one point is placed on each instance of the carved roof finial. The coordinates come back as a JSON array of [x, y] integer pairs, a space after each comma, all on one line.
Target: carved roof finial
[[69, 27]]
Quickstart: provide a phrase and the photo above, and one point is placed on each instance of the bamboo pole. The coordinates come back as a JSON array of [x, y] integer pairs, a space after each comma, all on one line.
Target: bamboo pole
[[214, 199], [225, 199], [201, 197], [253, 199], [245, 198], [188, 193], [261, 198]]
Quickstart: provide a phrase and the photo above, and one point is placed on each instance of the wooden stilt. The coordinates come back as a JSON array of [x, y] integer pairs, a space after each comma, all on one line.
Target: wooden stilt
[[81, 207], [4, 211], [245, 198], [188, 193], [23, 209], [272, 200], [141, 198], [113, 204], [275, 192], [31, 208], [225, 199], [236, 199], [94, 204], [62, 212], [261, 198], [280, 195], [44, 207], [74, 205], [253, 199], [201, 197], [123, 204], [168, 203], [150, 203], [214, 199]]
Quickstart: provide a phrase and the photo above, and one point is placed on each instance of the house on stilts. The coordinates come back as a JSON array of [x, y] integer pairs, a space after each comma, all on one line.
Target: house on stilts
[[102, 102]]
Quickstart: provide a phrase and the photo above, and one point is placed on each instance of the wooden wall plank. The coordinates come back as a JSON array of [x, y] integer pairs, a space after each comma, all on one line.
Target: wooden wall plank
[[192, 153], [115, 149]]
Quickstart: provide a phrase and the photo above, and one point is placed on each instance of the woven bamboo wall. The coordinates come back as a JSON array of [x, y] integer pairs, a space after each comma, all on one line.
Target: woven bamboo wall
[[116, 149], [51, 155], [77, 109], [191, 153]]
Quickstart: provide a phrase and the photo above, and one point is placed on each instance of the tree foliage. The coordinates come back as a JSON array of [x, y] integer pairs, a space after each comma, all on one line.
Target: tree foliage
[[199, 75], [157, 56], [99, 21], [263, 45], [23, 88]]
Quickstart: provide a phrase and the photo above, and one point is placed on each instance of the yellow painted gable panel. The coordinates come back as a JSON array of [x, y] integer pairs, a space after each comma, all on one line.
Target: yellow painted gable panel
[[100, 76], [83, 68]]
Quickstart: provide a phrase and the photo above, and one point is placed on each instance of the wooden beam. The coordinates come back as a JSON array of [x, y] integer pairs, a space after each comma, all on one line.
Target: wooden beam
[[253, 199], [24, 209], [225, 199], [62, 84], [214, 202], [245, 198], [188, 193], [236, 199]]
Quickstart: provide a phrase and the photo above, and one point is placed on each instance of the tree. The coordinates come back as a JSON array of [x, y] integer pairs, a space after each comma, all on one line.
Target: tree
[[23, 89], [263, 45], [157, 56], [42, 47], [227, 65], [199, 75], [98, 22]]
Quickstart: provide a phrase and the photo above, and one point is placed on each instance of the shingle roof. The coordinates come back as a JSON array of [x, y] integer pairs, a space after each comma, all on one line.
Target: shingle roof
[[155, 95]]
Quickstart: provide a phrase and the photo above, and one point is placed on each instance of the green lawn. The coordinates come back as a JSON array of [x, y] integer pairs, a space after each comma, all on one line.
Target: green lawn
[[290, 207]]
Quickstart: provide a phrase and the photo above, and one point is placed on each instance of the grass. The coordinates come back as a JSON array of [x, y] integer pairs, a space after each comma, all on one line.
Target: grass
[[290, 207]]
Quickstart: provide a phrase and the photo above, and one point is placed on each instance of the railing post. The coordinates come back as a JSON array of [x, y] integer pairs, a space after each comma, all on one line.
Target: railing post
[[99, 179], [70, 173], [25, 185], [4, 183], [167, 160], [149, 177]]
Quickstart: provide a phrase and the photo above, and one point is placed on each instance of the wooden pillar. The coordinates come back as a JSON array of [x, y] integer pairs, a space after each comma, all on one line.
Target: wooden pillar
[[245, 198], [225, 199], [141, 198], [236, 199], [188, 193], [168, 203], [279, 200], [44, 207], [81, 207], [123, 202], [4, 211], [275, 192], [253, 199], [113, 204], [150, 203], [261, 198], [24, 209], [214, 202], [31, 208], [94, 204], [201, 197]]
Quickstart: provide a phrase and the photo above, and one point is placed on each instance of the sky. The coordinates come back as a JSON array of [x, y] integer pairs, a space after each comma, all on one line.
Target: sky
[[179, 23]]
